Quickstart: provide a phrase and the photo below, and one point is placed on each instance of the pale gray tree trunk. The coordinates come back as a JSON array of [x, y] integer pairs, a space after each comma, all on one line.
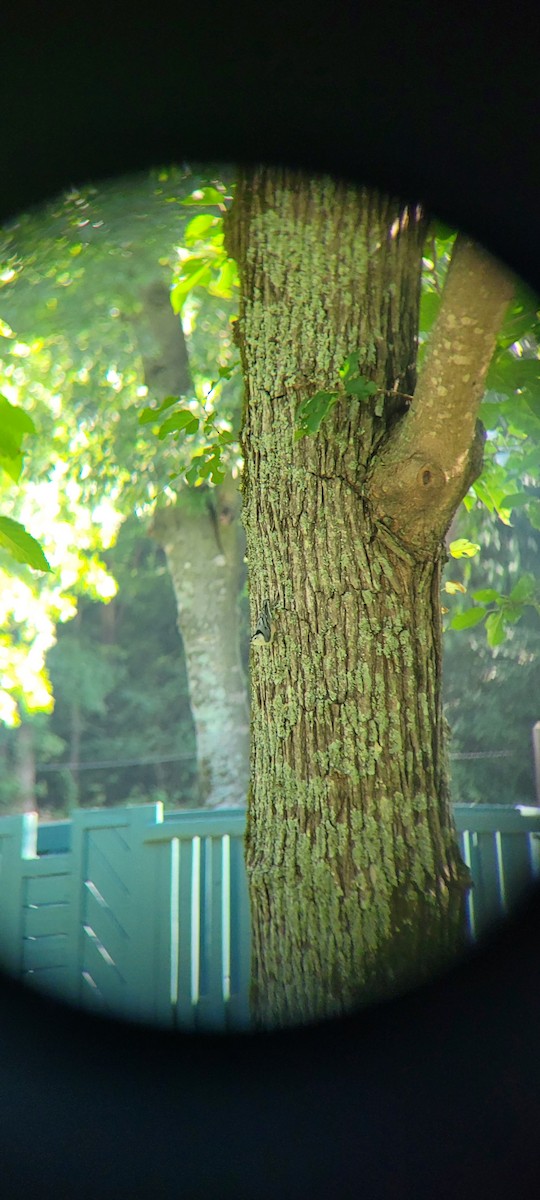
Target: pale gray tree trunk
[[204, 555], [204, 544], [26, 768]]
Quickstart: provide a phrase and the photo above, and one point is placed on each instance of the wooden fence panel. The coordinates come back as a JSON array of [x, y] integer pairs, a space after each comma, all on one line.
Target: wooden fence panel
[[147, 916], [500, 845], [157, 941], [18, 835], [106, 855], [207, 934]]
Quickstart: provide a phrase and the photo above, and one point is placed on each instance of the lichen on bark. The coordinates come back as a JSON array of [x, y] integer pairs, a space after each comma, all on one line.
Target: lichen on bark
[[356, 884]]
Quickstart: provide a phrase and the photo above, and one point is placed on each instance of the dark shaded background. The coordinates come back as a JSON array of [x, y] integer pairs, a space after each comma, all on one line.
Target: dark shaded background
[[436, 1094]]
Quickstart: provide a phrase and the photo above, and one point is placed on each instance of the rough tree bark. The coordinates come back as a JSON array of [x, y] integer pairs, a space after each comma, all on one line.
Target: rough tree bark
[[356, 884], [204, 546]]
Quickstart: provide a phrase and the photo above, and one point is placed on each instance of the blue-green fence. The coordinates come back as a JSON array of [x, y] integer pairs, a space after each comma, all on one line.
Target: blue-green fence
[[147, 916]]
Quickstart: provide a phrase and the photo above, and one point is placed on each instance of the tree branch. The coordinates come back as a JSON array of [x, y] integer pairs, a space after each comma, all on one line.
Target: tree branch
[[435, 452]]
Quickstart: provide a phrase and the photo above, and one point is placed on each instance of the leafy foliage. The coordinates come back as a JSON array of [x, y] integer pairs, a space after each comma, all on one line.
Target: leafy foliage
[[491, 690], [122, 697], [510, 412], [315, 409], [14, 424], [71, 280]]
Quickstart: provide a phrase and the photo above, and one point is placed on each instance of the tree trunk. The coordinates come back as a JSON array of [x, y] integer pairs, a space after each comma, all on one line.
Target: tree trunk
[[162, 344], [75, 734], [356, 884], [205, 551], [205, 561], [26, 768]]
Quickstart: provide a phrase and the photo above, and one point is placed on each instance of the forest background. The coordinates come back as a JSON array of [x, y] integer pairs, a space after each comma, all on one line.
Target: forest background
[[114, 297]]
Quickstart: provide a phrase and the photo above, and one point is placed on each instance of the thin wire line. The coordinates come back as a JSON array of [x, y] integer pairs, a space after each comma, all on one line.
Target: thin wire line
[[104, 764], [485, 754], [112, 762]]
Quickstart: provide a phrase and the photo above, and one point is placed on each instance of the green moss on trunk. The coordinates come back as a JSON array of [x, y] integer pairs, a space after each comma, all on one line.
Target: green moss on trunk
[[355, 880]]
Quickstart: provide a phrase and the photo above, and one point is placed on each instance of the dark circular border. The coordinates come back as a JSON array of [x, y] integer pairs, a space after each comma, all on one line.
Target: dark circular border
[[437, 1093]]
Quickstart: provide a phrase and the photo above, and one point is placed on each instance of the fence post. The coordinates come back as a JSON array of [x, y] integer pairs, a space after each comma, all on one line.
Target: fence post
[[18, 841], [536, 752]]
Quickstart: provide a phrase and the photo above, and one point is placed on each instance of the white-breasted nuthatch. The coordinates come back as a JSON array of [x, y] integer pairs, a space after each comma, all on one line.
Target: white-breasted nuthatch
[[264, 629]]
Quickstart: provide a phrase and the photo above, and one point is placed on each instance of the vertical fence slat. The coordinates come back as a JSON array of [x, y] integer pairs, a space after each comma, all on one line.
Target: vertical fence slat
[[152, 950], [238, 1006], [466, 852], [149, 918], [211, 1005], [536, 756], [184, 1012]]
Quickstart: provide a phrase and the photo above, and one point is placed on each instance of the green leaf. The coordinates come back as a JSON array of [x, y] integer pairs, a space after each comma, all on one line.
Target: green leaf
[[483, 495], [442, 231], [508, 372], [203, 463], [349, 364], [193, 474], [462, 548], [206, 465], [199, 276], [14, 418], [524, 589], [452, 587], [495, 628], [227, 372], [181, 421], [148, 415], [430, 304], [14, 424], [466, 620], [205, 195], [198, 228], [512, 612], [490, 413], [12, 465], [521, 315], [360, 387], [312, 412], [533, 514], [533, 404], [492, 497], [487, 596], [517, 499], [225, 280], [10, 444], [167, 403], [21, 545]]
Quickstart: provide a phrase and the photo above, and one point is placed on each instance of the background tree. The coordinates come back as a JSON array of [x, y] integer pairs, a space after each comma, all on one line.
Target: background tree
[[138, 739], [85, 278]]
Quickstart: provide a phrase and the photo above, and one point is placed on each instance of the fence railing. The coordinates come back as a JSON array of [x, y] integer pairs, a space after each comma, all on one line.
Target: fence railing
[[147, 916]]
